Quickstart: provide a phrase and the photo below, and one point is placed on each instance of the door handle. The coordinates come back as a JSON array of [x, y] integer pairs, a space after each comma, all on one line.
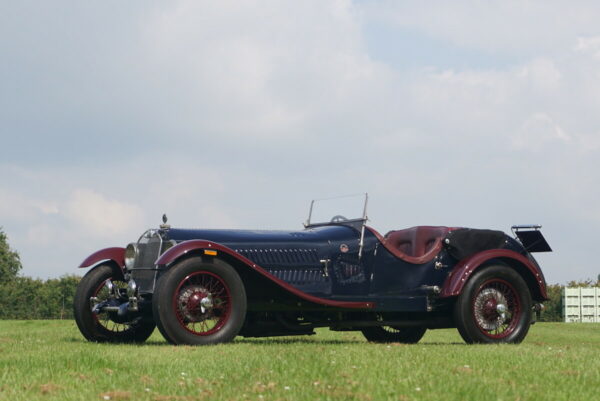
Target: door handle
[[325, 263]]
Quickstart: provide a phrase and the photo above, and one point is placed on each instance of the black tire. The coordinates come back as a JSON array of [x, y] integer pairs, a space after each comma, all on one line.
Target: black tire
[[477, 312], [101, 328], [155, 296], [200, 301], [388, 334]]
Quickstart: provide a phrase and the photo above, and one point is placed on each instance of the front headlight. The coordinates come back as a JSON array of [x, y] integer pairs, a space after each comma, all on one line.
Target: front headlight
[[130, 254], [168, 245]]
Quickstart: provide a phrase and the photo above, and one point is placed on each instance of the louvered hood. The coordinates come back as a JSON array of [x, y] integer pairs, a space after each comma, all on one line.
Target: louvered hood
[[292, 256], [262, 239], [275, 248]]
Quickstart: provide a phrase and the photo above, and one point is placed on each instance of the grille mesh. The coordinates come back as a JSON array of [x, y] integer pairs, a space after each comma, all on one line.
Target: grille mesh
[[147, 255]]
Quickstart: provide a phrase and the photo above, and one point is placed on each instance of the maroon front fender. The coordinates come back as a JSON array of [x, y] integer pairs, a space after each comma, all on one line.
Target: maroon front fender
[[116, 255], [464, 269], [173, 254]]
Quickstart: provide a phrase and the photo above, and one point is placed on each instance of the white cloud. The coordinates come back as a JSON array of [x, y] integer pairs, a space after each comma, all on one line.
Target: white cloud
[[236, 114], [13, 205], [255, 72], [100, 216], [43, 235], [542, 73], [18, 206], [589, 45], [510, 27], [537, 131]]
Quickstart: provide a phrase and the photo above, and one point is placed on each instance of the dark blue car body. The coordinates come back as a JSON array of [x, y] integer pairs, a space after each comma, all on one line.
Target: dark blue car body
[[343, 275]]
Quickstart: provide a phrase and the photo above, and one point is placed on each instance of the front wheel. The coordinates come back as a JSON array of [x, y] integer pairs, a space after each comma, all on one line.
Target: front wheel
[[200, 302], [389, 334], [494, 307], [104, 326]]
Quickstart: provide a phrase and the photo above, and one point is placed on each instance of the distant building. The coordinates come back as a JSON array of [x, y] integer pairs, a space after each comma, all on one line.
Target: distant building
[[581, 304]]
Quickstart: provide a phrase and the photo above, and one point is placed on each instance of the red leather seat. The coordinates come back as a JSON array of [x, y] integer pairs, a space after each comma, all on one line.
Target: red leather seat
[[417, 244]]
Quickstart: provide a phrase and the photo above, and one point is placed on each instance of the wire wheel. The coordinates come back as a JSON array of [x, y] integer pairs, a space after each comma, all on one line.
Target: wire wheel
[[496, 308], [202, 303], [107, 326], [199, 301], [104, 318]]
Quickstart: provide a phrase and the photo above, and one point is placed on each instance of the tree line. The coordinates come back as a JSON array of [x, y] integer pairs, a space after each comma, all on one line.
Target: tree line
[[28, 298]]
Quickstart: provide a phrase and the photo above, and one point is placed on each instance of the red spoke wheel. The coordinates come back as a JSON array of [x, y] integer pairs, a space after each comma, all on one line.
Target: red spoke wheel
[[494, 307], [104, 327], [200, 301]]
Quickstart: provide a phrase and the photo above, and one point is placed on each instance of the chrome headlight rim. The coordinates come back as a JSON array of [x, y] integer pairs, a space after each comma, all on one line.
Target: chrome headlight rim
[[131, 253]]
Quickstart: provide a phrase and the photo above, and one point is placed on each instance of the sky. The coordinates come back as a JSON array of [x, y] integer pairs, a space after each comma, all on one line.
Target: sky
[[235, 114]]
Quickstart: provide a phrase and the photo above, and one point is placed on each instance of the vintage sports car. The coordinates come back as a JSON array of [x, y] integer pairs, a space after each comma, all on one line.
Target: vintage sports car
[[209, 286]]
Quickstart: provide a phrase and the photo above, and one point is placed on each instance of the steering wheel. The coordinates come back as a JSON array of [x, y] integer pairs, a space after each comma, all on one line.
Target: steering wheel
[[338, 218]]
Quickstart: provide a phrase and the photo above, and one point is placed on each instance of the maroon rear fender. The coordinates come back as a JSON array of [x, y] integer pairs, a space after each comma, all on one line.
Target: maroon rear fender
[[207, 247], [462, 271], [117, 255]]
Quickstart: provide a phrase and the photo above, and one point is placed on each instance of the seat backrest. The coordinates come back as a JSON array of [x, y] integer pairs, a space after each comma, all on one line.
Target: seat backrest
[[416, 244]]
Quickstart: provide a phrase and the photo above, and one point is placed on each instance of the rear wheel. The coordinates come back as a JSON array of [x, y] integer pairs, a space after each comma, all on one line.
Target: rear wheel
[[389, 334], [200, 302], [494, 307], [105, 326]]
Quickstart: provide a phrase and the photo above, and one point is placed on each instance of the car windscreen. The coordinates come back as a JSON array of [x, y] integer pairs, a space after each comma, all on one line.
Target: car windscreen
[[337, 209]]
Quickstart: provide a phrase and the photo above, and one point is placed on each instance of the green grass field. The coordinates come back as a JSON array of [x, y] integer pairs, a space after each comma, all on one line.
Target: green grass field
[[49, 360]]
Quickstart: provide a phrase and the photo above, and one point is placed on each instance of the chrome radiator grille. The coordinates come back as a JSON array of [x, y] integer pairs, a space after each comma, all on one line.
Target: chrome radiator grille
[[147, 253], [142, 271]]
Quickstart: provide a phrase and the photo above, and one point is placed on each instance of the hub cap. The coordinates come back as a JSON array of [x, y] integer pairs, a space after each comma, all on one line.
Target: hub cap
[[496, 308], [202, 303]]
